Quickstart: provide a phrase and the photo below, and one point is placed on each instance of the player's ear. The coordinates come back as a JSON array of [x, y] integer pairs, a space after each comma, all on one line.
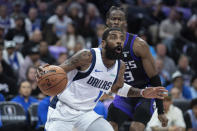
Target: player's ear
[[103, 43], [107, 21]]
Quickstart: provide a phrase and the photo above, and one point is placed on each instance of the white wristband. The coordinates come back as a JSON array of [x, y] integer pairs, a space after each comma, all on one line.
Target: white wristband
[[124, 90], [142, 92]]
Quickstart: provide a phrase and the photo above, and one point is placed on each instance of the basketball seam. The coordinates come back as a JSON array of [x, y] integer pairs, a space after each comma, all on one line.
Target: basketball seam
[[50, 75], [55, 85]]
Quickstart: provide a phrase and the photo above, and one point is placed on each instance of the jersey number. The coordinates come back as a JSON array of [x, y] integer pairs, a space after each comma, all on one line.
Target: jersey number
[[128, 77], [100, 93]]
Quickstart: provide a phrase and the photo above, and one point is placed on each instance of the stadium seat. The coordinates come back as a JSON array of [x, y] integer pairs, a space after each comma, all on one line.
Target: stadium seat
[[12, 117], [182, 104], [33, 114], [12, 113]]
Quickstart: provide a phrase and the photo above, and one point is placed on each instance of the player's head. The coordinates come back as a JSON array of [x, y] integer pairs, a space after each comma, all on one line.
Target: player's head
[[116, 17], [112, 43]]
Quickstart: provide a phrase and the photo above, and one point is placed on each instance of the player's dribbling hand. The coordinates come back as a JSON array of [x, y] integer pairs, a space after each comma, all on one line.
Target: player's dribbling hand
[[155, 92], [163, 119], [40, 71]]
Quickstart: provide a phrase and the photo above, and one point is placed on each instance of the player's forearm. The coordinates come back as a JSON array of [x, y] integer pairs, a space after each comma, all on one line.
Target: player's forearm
[[134, 92], [128, 91]]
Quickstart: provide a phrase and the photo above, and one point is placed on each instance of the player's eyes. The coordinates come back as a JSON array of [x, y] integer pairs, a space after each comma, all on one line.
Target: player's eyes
[[122, 38], [113, 37]]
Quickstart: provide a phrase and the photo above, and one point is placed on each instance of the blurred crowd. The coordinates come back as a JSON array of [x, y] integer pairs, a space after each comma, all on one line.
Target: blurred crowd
[[35, 32]]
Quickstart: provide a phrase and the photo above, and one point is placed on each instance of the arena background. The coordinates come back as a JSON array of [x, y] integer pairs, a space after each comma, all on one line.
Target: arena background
[[31, 34]]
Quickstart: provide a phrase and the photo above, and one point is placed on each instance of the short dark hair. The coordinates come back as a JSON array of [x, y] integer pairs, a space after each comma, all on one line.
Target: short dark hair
[[193, 103], [115, 8], [106, 32]]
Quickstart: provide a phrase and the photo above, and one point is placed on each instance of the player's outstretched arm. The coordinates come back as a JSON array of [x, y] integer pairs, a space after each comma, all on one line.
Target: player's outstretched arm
[[126, 90]]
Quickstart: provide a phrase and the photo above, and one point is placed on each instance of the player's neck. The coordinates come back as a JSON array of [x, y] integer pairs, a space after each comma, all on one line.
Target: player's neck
[[107, 62]]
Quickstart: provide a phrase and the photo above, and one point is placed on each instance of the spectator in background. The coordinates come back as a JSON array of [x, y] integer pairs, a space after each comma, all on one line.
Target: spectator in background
[[43, 14], [96, 41], [30, 77], [168, 62], [145, 35], [77, 48], [45, 54], [164, 75], [24, 97], [2, 98], [176, 94], [5, 20], [57, 49], [29, 4], [62, 57], [17, 9], [1, 36], [71, 38], [6, 69], [93, 16], [177, 81], [184, 68], [12, 57], [32, 59], [76, 13], [189, 31], [174, 115], [42, 111], [7, 78], [8, 4], [60, 20], [33, 42], [52, 5], [18, 33], [49, 34], [7, 84], [170, 26], [194, 86], [191, 116], [157, 13], [32, 22]]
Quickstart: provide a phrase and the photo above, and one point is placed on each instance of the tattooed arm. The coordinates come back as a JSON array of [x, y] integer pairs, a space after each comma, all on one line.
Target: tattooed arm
[[81, 60], [128, 91]]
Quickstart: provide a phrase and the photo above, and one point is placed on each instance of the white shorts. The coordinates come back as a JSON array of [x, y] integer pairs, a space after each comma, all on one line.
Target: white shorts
[[64, 118]]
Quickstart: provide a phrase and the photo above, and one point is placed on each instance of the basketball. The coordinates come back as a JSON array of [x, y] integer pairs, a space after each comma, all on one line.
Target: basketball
[[53, 81]]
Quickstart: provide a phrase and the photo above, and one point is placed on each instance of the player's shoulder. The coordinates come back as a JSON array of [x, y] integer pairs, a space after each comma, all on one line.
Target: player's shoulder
[[140, 43], [140, 47]]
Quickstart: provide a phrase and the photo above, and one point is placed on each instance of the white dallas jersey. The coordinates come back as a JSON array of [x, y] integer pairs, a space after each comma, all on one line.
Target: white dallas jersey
[[84, 88]]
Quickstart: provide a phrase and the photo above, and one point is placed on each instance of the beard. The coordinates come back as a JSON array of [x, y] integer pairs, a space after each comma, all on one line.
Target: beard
[[112, 54]]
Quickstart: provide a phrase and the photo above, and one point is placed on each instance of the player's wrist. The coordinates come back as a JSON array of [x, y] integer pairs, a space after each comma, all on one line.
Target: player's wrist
[[142, 92]]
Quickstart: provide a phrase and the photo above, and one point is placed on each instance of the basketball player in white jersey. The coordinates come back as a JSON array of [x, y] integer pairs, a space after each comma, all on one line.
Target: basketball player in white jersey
[[91, 73]]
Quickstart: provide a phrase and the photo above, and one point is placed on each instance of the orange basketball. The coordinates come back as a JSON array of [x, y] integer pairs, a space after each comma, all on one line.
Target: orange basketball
[[53, 81]]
